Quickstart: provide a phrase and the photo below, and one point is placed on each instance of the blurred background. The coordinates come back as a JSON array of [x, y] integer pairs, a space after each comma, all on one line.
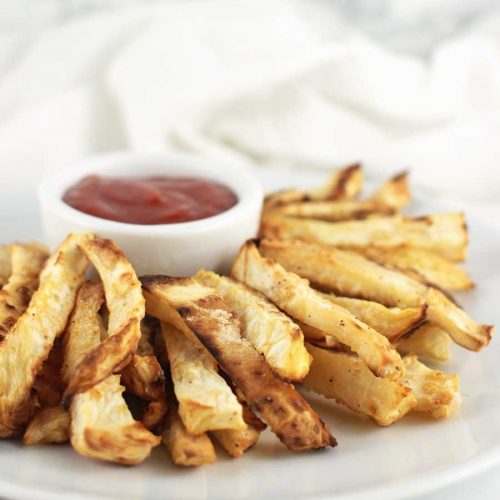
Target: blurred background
[[307, 84]]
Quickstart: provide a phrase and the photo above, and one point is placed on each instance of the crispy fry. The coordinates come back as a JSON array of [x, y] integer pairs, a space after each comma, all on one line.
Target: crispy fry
[[205, 400], [51, 425], [236, 442], [144, 377], [423, 265], [126, 310], [395, 192], [391, 322], [200, 313], [350, 274], [345, 378], [26, 263], [30, 340], [293, 295], [185, 449], [102, 426], [270, 331], [343, 184], [5, 263], [333, 211], [437, 393], [49, 385], [428, 341], [445, 234]]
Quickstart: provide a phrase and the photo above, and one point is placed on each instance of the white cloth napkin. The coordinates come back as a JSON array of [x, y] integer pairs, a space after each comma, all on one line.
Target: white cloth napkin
[[262, 82]]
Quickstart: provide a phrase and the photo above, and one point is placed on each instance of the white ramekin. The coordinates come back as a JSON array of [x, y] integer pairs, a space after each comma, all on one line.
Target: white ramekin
[[174, 249]]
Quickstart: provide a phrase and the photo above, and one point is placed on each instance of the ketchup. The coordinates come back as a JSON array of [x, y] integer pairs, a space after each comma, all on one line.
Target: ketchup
[[149, 200]]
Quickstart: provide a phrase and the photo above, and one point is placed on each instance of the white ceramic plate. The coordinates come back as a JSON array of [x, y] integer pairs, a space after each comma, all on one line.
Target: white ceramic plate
[[413, 456]]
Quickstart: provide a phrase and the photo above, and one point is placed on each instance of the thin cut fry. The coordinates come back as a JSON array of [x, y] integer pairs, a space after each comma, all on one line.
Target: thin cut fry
[[343, 184], [445, 234], [437, 393], [126, 310], [205, 400], [185, 449], [5, 263], [333, 211], [49, 426], [293, 295], [270, 331], [395, 192], [102, 426], [345, 378], [30, 340], [236, 442], [351, 274], [391, 322], [26, 263], [428, 342], [200, 313], [424, 265]]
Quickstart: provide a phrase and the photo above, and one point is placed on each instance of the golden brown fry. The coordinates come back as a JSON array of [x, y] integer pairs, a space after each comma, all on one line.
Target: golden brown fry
[[51, 425], [26, 263], [345, 378], [5, 263], [102, 426], [395, 192], [294, 296], [343, 184], [205, 400], [428, 342], [29, 342], [200, 313], [391, 322], [235, 441], [126, 310], [351, 274], [270, 331], [437, 393], [333, 211], [423, 265], [445, 234], [185, 449]]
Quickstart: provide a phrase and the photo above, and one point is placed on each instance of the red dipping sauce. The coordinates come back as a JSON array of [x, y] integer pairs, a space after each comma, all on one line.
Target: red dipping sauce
[[149, 200]]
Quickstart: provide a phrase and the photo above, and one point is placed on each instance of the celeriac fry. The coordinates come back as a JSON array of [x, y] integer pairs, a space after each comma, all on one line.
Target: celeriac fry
[[5, 263], [49, 426], [351, 274], [395, 192], [30, 340], [333, 211], [437, 393], [428, 341], [205, 400], [420, 263], [126, 310], [200, 313], [294, 296], [270, 331], [345, 378], [445, 234], [184, 449], [144, 377], [102, 426], [391, 322], [26, 263], [236, 441], [343, 184]]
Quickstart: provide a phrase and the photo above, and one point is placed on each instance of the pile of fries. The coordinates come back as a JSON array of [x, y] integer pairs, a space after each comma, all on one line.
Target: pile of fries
[[344, 296]]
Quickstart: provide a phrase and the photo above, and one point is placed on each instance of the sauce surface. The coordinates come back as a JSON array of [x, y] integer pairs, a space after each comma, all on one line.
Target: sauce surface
[[149, 200]]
